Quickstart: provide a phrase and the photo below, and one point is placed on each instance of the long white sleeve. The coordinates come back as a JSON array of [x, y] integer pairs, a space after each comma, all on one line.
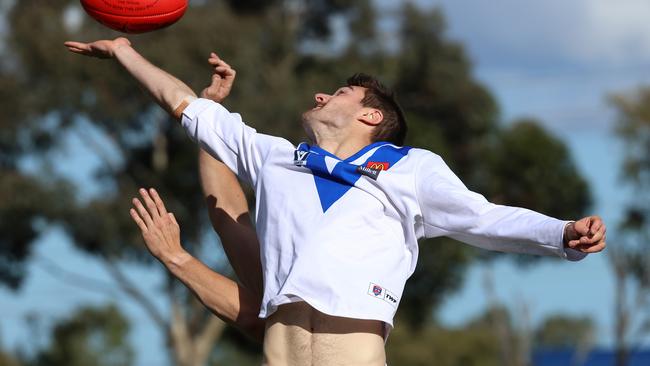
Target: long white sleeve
[[225, 136], [450, 209]]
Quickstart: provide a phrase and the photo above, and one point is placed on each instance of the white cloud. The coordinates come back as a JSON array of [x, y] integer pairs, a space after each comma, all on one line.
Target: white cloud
[[616, 30], [576, 31]]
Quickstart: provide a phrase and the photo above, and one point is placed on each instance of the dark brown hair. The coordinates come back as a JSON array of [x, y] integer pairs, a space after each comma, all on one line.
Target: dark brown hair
[[393, 127]]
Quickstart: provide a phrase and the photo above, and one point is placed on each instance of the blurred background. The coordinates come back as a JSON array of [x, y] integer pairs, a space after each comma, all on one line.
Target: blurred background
[[541, 104]]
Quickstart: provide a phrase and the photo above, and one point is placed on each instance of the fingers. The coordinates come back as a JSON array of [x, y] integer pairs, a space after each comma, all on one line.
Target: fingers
[[220, 66], [589, 248], [153, 209], [596, 248], [77, 47], [596, 225], [142, 212], [160, 205], [151, 206], [138, 220], [173, 218], [73, 44]]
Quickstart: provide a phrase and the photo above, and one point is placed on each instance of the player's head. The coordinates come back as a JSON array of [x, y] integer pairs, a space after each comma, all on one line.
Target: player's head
[[363, 107]]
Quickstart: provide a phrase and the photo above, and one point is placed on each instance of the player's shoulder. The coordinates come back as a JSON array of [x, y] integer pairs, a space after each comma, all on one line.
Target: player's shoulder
[[416, 155]]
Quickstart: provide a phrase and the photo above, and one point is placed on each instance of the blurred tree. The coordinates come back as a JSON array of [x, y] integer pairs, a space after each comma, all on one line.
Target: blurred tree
[[282, 50], [91, 336], [563, 331], [629, 258], [472, 344], [7, 358]]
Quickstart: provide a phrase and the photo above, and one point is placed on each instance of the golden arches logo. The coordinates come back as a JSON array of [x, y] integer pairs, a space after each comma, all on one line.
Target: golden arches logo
[[377, 165]]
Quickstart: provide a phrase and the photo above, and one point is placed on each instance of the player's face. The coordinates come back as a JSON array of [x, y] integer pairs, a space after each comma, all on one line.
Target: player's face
[[339, 109]]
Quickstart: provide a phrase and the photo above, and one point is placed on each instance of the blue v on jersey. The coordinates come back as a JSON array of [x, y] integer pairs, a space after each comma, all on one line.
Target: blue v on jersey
[[341, 234]]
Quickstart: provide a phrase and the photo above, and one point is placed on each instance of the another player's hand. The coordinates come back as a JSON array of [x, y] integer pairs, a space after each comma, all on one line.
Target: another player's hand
[[100, 49], [586, 235], [223, 77], [159, 228]]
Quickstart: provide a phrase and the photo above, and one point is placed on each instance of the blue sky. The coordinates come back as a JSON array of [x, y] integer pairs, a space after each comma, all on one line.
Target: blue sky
[[553, 60]]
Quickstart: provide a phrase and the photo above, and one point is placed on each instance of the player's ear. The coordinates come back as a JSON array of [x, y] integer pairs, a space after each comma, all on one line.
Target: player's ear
[[371, 116]]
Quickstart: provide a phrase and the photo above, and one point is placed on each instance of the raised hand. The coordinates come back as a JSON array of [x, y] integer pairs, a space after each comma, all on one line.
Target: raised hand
[[586, 235], [223, 77], [159, 228], [100, 49]]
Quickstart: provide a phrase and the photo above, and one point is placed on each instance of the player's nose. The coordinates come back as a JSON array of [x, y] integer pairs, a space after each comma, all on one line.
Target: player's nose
[[321, 98]]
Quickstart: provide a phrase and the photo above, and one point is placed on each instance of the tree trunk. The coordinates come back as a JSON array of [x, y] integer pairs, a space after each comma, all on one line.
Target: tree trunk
[[191, 348], [622, 314]]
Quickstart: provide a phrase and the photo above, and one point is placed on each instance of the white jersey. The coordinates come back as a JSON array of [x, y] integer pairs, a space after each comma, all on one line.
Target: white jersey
[[341, 234]]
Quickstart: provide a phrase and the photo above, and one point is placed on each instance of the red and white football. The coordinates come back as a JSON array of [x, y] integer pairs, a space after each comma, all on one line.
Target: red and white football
[[135, 16]]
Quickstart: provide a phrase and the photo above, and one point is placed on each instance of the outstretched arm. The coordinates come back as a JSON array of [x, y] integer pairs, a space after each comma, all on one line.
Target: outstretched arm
[[225, 298], [169, 92], [450, 209]]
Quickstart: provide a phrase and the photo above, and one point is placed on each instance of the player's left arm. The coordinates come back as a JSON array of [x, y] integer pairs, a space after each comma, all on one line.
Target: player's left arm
[[450, 209]]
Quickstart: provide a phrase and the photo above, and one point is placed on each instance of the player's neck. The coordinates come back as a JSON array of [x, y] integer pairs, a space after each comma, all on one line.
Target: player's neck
[[343, 149]]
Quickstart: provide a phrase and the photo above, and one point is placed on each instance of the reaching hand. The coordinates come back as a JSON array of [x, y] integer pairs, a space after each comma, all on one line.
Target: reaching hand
[[222, 78], [586, 235], [100, 49], [160, 230]]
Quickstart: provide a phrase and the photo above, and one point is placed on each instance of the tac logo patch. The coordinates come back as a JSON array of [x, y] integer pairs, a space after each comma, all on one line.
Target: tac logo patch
[[378, 165], [379, 292]]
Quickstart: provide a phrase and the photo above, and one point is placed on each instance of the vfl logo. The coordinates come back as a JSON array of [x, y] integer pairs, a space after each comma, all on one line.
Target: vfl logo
[[300, 157], [379, 292]]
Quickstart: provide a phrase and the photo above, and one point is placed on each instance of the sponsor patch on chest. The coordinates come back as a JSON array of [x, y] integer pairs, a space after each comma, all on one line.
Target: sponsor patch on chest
[[378, 165], [382, 293]]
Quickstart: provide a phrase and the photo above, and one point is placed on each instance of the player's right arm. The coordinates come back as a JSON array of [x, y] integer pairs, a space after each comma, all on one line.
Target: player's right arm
[[169, 92], [220, 132]]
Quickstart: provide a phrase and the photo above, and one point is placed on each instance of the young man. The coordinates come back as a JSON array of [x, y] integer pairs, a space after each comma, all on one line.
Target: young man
[[338, 220]]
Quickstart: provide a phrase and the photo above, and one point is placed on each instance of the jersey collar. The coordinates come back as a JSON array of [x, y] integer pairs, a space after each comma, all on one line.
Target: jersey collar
[[356, 155]]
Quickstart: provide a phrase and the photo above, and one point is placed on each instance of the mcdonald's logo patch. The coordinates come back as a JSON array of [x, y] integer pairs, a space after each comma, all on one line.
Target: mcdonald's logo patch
[[377, 165]]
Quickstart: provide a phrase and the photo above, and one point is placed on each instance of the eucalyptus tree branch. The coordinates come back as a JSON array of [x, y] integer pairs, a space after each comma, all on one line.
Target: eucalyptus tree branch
[[209, 335], [75, 279], [135, 293]]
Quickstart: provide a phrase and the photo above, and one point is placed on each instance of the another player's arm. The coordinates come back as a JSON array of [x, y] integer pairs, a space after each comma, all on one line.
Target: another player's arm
[[169, 92], [231, 302]]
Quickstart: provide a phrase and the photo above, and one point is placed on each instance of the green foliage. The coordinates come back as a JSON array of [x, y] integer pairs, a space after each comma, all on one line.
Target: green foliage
[[531, 168], [91, 336], [474, 344], [634, 128], [562, 331]]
